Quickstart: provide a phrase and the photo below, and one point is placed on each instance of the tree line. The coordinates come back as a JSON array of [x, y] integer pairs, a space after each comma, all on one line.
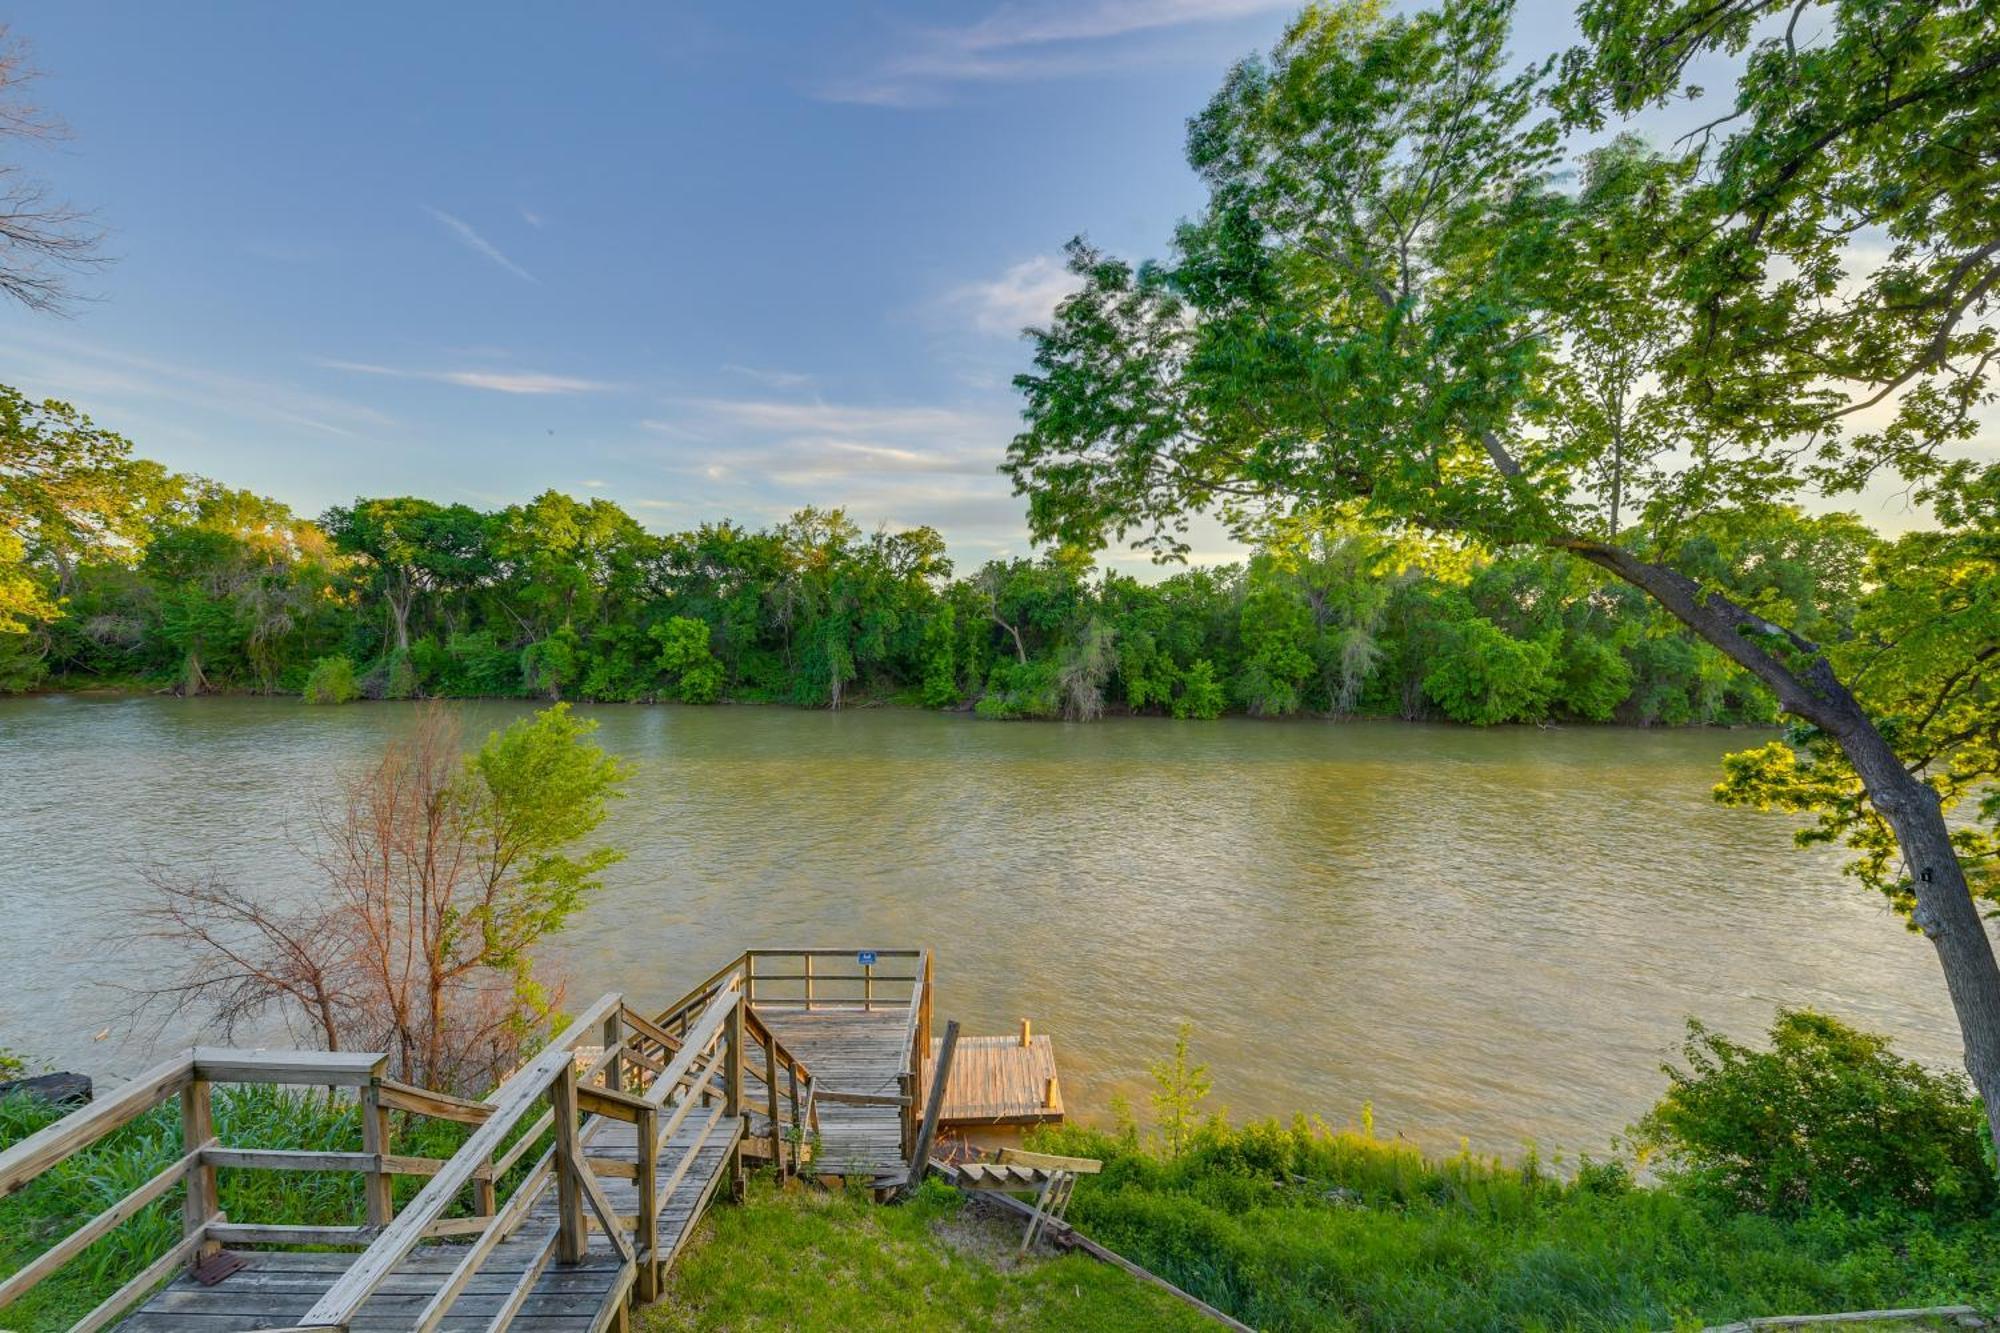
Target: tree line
[[126, 573]]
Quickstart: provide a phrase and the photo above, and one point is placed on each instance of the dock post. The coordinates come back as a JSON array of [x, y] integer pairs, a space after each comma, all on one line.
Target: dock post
[[646, 1245], [572, 1233], [614, 1033], [197, 1128], [933, 1107], [375, 1139]]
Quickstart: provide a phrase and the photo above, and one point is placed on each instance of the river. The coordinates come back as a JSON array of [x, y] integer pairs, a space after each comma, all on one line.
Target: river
[[1492, 934]]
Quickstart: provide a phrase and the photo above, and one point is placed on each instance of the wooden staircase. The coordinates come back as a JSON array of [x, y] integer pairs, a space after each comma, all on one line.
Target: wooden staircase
[[585, 1171]]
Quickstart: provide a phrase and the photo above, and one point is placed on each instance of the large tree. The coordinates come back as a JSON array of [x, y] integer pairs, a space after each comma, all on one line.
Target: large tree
[[1392, 300]]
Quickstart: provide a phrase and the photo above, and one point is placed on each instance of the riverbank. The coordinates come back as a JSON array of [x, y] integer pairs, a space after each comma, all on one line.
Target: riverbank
[[902, 700]]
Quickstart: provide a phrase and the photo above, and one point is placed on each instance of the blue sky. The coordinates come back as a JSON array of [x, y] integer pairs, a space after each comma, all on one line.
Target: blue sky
[[704, 260]]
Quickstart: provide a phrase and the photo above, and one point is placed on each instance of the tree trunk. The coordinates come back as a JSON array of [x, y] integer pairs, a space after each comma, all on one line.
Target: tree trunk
[[1945, 910]]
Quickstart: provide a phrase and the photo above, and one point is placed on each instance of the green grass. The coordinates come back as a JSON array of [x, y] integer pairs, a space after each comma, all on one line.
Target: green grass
[[1303, 1227], [805, 1258]]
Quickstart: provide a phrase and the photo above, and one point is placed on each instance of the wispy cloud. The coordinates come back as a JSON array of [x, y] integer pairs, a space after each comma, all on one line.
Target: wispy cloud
[[478, 244], [59, 365], [493, 381], [532, 218], [775, 379], [1026, 294], [1019, 42]]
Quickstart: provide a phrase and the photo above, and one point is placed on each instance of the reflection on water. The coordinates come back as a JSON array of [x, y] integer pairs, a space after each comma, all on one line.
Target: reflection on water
[[1496, 934]]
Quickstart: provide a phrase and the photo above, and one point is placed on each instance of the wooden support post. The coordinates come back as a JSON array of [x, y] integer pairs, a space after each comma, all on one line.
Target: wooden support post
[[933, 1106], [1049, 1092], [646, 1243], [771, 1102], [809, 980], [798, 1117], [378, 1188], [572, 1234], [1027, 1034], [614, 1033], [867, 988], [732, 1090], [197, 1128], [486, 1193]]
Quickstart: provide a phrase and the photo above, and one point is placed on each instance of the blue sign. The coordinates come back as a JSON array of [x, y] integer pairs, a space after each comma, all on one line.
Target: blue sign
[[866, 957]]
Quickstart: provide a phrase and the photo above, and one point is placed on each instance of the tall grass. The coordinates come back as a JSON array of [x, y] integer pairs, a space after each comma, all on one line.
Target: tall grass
[[1302, 1226]]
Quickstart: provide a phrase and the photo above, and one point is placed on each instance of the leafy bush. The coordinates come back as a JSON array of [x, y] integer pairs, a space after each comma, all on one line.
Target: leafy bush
[[1021, 689], [1483, 675], [1201, 693], [685, 655], [1828, 1117], [332, 682]]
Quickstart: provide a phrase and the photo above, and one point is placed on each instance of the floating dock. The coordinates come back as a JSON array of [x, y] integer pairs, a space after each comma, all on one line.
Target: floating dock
[[1008, 1080]]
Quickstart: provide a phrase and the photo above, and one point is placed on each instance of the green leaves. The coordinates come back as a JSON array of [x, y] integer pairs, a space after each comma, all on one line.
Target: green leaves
[[529, 794]]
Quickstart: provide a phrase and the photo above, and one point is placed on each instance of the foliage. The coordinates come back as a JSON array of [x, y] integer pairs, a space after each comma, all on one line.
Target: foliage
[[1924, 652], [684, 655], [804, 1257], [207, 588], [332, 682], [1827, 1118], [443, 870], [1180, 1086], [1484, 676], [1824, 1175]]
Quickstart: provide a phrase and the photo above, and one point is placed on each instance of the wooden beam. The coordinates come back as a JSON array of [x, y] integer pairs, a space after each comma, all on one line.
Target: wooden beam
[[920, 1156], [79, 1129], [330, 1069], [436, 1105]]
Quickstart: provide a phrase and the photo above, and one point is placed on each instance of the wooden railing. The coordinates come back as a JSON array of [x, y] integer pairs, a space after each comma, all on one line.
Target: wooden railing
[[612, 1065], [789, 1091], [190, 1076], [838, 978], [549, 1100]]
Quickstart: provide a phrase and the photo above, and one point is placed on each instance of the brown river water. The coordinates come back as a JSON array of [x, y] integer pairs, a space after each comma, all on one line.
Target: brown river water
[[1490, 934]]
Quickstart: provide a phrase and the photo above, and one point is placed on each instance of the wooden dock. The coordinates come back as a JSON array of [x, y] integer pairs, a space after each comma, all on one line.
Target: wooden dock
[[1008, 1080], [807, 1059]]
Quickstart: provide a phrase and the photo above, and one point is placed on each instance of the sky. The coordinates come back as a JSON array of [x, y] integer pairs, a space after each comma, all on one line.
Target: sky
[[704, 260]]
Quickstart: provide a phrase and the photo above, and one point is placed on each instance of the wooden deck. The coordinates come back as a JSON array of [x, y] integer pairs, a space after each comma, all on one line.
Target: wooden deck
[[278, 1287], [853, 1051], [999, 1081]]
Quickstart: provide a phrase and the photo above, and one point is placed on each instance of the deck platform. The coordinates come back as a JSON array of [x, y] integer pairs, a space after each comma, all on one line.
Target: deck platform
[[278, 1287], [850, 1050], [999, 1081]]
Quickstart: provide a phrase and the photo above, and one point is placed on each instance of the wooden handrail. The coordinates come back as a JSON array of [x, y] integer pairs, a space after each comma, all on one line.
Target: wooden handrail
[[511, 1104]]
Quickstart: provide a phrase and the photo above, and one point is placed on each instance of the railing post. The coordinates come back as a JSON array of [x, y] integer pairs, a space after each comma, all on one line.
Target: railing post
[[197, 1128], [375, 1139], [809, 979], [771, 1102], [614, 1033], [868, 988], [572, 1234], [732, 1092], [749, 976], [646, 1244], [798, 1116]]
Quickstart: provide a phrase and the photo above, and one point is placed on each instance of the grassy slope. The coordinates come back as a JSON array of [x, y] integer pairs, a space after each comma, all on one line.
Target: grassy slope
[[1307, 1228], [803, 1258]]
